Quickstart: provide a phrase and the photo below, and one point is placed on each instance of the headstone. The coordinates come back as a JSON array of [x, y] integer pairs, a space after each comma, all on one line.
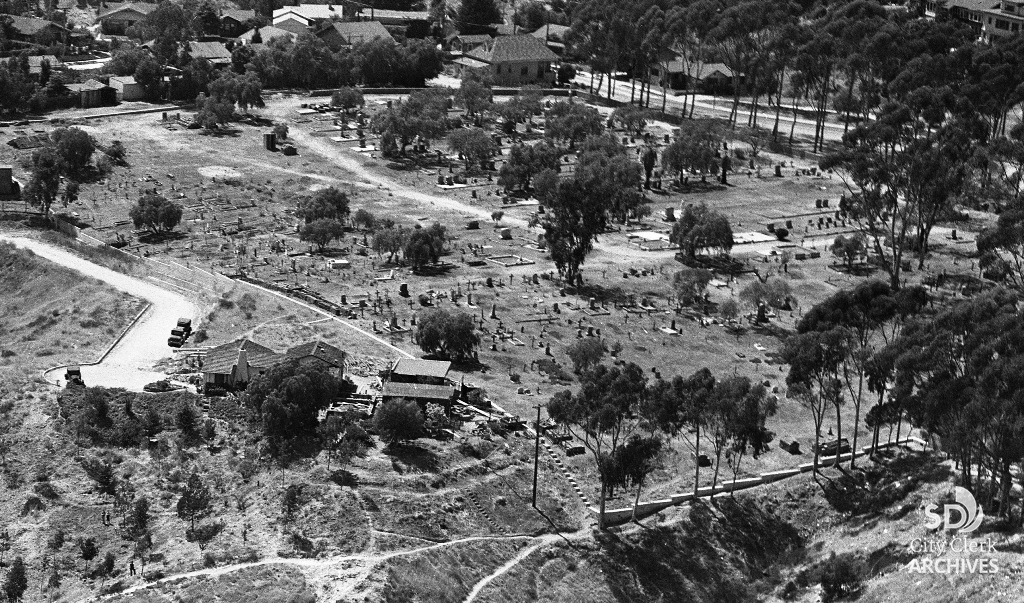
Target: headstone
[[489, 282], [536, 279], [670, 214], [778, 171], [593, 303], [494, 310], [403, 289]]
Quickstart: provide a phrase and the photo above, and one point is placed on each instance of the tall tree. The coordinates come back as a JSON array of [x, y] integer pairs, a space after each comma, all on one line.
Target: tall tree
[[601, 415]]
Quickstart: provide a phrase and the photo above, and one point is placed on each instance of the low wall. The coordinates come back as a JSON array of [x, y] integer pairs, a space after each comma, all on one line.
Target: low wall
[[644, 509]]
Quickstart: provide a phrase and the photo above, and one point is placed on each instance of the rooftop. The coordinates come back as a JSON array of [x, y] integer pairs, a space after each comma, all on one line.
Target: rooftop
[[354, 32], [222, 358], [513, 49], [422, 368], [140, 7], [551, 32], [215, 52], [418, 391], [319, 350], [311, 12], [268, 33], [30, 26], [238, 14]]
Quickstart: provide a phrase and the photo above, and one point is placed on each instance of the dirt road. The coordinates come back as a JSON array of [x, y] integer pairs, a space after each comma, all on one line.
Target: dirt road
[[129, 364]]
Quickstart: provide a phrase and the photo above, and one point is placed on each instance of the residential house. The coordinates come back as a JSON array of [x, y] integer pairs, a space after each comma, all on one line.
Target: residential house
[[553, 36], [35, 31], [425, 381], [234, 20], [306, 16], [322, 354], [1003, 20], [118, 17], [514, 60], [215, 52], [967, 12], [127, 88], [233, 365], [294, 25], [93, 93], [712, 78], [464, 43], [340, 34], [266, 34]]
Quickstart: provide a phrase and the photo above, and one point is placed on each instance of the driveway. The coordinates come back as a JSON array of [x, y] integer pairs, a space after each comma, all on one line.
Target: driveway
[[130, 363]]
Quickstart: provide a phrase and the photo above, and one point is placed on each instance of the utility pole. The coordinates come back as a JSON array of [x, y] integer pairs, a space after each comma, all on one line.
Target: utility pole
[[536, 456]]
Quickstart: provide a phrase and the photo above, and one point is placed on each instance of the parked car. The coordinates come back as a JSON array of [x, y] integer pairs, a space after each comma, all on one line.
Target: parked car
[[73, 376], [186, 325], [174, 341]]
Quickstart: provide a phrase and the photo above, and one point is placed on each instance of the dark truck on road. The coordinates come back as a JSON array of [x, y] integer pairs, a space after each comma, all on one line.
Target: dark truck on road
[[180, 333]]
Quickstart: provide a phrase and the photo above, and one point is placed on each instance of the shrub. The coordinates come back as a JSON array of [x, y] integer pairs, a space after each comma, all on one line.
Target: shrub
[[841, 576], [782, 233]]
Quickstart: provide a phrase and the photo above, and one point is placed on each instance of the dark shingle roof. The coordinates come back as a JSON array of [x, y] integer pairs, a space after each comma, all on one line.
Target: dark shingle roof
[[319, 350], [354, 32], [220, 359], [513, 49], [419, 391], [215, 52], [238, 14], [29, 26]]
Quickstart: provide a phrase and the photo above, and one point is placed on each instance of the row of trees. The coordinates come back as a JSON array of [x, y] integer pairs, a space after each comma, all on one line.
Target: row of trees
[[624, 421]]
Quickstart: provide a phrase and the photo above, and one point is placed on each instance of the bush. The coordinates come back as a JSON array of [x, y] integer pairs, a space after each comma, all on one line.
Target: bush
[[398, 420], [782, 233], [841, 576]]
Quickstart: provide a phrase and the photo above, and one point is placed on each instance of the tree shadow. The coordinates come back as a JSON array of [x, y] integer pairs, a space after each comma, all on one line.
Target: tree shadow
[[151, 238], [412, 455], [711, 556], [345, 478], [871, 489]]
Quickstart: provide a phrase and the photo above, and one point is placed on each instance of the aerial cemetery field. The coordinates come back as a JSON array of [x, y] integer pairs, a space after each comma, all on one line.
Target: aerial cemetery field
[[242, 189], [240, 200]]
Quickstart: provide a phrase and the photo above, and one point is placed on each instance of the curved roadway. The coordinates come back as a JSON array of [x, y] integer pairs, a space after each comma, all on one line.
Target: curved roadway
[[130, 363]]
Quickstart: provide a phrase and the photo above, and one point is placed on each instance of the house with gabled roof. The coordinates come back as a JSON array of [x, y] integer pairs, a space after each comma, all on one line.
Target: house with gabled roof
[[233, 21], [320, 353], [343, 34], [117, 17], [465, 42], [215, 52], [34, 31], [515, 60], [233, 365]]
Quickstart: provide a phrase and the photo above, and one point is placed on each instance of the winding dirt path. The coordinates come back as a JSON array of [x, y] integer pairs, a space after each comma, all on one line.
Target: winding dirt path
[[130, 363]]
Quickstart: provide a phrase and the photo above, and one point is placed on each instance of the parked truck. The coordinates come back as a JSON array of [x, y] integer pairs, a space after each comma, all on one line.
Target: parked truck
[[73, 376], [180, 333]]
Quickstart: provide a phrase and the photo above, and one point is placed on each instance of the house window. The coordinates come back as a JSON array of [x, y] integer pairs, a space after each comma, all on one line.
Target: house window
[[1015, 27], [1002, 24], [526, 70]]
